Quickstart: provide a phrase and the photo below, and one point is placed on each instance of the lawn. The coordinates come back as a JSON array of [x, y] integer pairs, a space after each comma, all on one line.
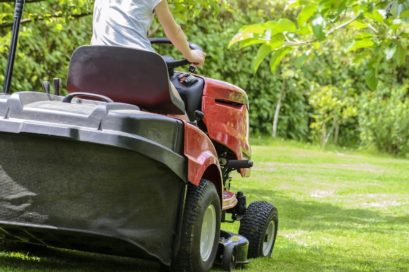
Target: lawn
[[338, 211]]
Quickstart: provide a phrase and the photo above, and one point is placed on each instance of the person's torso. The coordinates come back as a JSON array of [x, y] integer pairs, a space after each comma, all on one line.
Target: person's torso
[[123, 23]]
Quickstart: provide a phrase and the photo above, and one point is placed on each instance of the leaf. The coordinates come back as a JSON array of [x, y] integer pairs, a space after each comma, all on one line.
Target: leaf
[[404, 14], [371, 79], [400, 55], [247, 32], [306, 13], [256, 29], [282, 25], [277, 41], [363, 35], [262, 53], [286, 25], [358, 44], [357, 25], [304, 30], [293, 4], [316, 45], [249, 42], [375, 15], [239, 37], [318, 27], [277, 57], [361, 56]]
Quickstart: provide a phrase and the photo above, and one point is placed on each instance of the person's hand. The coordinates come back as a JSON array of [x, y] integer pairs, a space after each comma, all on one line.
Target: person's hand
[[197, 57]]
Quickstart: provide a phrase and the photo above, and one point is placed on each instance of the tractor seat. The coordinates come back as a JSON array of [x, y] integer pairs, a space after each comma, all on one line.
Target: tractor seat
[[191, 95], [125, 75]]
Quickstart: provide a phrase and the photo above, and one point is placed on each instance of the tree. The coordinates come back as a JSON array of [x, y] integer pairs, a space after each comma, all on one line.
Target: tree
[[370, 34], [377, 32]]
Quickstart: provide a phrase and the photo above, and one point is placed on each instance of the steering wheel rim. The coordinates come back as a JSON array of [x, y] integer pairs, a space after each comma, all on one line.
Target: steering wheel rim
[[175, 63]]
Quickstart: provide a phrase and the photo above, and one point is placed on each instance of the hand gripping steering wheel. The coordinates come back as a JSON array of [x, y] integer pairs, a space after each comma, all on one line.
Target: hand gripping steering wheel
[[172, 63]]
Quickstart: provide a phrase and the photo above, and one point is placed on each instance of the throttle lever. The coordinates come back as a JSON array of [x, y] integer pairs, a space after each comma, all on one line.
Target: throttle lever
[[192, 69]]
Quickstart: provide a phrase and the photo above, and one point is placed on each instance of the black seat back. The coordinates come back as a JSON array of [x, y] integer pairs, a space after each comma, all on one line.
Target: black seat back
[[125, 75]]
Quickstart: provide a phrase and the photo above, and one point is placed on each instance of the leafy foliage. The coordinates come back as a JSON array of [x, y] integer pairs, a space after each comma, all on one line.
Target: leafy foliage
[[344, 50], [385, 120], [50, 32], [317, 56], [377, 32]]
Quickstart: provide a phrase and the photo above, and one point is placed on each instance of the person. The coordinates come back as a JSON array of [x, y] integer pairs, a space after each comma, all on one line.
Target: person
[[127, 22]]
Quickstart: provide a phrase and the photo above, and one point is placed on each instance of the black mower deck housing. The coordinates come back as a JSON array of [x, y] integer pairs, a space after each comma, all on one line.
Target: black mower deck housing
[[121, 191]]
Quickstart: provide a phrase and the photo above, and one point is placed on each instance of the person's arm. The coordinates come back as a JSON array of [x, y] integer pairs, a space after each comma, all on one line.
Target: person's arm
[[176, 35]]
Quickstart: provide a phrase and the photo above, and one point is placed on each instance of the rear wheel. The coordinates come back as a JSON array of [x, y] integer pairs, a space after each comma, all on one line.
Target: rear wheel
[[201, 229], [259, 225]]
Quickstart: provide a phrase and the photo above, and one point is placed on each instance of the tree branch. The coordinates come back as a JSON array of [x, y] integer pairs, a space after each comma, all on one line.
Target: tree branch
[[27, 1], [331, 31], [347, 23], [42, 18]]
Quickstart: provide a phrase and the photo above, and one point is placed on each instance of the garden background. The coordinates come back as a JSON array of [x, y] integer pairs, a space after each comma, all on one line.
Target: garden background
[[347, 86], [326, 77]]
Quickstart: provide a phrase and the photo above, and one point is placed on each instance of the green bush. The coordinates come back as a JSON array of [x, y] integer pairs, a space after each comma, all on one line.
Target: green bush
[[384, 120]]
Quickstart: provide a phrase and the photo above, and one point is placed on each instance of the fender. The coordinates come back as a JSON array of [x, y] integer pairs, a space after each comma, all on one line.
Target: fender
[[202, 157]]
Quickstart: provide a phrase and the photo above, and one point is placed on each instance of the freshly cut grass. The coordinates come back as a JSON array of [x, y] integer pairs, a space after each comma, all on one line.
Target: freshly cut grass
[[338, 211]]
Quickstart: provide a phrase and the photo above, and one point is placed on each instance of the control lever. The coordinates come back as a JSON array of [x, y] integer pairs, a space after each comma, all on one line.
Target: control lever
[[57, 85], [187, 79], [238, 164], [199, 115], [192, 69], [46, 86]]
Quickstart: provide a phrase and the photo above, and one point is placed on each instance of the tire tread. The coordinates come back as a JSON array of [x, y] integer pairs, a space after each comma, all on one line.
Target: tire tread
[[183, 261], [253, 225]]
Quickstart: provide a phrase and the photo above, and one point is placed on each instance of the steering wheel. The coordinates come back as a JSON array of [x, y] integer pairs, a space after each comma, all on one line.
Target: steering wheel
[[172, 63]]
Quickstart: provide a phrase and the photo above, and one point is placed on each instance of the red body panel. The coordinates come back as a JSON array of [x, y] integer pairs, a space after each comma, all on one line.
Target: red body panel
[[201, 155], [226, 117]]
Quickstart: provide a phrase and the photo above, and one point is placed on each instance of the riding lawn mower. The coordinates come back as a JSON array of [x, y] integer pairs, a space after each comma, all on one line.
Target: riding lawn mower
[[123, 166]]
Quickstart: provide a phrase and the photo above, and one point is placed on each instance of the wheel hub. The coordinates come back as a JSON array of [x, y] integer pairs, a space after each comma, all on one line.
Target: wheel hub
[[208, 232], [269, 238]]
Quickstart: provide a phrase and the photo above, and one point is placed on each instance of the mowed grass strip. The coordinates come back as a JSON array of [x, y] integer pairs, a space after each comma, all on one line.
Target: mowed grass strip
[[338, 211]]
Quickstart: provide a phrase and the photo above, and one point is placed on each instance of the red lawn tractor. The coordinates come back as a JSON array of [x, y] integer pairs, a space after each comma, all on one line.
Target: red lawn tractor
[[124, 166]]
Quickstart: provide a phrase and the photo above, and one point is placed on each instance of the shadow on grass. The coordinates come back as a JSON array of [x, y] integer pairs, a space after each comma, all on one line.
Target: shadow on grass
[[307, 216], [20, 257], [291, 256], [316, 215]]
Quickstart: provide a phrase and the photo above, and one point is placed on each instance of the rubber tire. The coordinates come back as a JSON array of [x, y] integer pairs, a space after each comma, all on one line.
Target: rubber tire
[[254, 225], [198, 200]]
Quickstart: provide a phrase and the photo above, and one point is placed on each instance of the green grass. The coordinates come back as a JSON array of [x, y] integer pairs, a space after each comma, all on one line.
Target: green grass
[[338, 211]]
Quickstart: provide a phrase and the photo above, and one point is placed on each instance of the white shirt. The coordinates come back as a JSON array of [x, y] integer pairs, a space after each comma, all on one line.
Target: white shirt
[[123, 23]]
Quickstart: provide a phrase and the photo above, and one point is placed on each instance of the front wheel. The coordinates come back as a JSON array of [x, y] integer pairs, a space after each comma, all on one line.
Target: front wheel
[[259, 225], [201, 229]]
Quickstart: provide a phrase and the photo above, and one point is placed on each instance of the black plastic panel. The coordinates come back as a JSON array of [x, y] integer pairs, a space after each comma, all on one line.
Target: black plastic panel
[[90, 190], [191, 95]]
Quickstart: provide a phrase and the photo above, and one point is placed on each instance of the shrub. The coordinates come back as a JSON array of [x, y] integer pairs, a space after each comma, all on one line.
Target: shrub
[[384, 120]]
